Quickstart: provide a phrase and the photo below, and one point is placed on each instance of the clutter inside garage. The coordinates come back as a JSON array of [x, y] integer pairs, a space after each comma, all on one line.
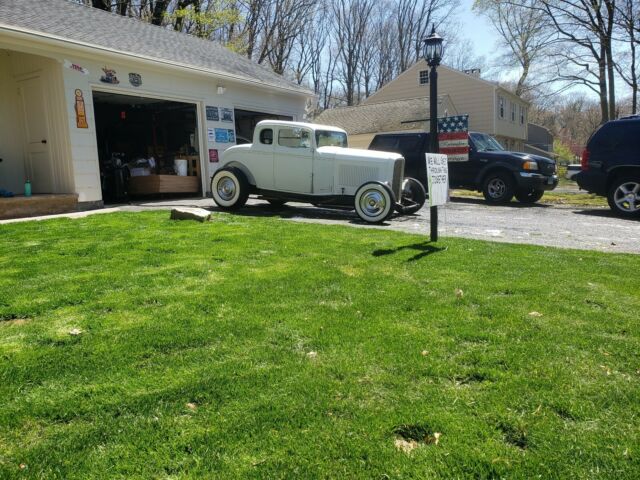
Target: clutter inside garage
[[146, 146]]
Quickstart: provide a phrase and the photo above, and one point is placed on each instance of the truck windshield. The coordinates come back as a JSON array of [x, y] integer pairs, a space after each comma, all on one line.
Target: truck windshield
[[327, 138], [486, 143]]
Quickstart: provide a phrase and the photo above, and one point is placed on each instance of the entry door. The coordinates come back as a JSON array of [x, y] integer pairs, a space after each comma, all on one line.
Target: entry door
[[293, 160], [38, 166]]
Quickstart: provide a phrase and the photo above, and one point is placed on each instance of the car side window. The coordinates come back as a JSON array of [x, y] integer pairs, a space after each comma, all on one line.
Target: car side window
[[409, 143], [294, 138], [266, 136]]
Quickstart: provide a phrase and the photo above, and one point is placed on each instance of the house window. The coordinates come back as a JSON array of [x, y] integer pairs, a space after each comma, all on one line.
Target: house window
[[501, 107], [424, 77], [522, 114], [513, 112]]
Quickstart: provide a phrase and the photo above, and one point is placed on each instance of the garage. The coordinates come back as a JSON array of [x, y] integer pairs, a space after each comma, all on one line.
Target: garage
[[246, 122], [146, 146]]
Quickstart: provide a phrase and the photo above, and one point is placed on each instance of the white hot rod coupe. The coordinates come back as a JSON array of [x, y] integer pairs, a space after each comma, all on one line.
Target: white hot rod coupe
[[304, 162]]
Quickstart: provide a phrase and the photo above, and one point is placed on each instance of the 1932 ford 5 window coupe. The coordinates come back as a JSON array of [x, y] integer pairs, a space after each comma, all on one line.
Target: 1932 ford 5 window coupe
[[303, 162]]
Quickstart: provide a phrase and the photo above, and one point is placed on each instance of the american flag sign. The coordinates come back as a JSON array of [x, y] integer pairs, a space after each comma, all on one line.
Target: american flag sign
[[453, 136]]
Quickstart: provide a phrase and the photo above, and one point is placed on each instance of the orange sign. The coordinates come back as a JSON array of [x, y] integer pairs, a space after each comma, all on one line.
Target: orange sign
[[81, 114]]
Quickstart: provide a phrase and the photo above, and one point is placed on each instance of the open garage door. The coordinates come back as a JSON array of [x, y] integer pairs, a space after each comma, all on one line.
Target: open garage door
[[246, 122], [146, 146]]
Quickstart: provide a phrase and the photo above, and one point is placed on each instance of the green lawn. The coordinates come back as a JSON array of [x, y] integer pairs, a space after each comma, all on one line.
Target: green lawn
[[262, 348]]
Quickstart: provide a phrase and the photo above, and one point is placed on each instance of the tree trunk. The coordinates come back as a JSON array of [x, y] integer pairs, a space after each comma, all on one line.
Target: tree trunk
[[157, 17], [101, 4]]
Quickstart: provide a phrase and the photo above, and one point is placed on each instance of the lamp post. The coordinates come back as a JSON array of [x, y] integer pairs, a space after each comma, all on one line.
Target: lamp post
[[433, 54]]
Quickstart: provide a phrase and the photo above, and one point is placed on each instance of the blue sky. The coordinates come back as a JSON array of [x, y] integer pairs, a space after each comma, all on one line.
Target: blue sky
[[478, 30]]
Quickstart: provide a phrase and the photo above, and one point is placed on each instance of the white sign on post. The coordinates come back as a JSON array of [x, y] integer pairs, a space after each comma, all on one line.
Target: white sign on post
[[437, 179]]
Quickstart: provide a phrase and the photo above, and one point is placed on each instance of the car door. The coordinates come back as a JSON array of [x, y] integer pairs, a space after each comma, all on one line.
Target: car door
[[293, 160], [463, 174]]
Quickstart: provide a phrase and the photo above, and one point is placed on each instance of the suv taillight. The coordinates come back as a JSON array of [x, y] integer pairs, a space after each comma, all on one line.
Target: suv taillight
[[584, 163]]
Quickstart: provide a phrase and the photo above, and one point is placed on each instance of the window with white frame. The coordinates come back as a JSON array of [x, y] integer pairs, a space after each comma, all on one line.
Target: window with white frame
[[513, 112], [523, 114], [501, 107], [424, 77]]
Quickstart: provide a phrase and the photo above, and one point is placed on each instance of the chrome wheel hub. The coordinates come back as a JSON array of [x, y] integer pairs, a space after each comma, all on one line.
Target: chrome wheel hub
[[373, 203], [226, 188], [627, 197]]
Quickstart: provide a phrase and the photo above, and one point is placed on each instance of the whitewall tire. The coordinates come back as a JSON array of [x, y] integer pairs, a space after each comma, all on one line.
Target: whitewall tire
[[229, 188], [374, 202]]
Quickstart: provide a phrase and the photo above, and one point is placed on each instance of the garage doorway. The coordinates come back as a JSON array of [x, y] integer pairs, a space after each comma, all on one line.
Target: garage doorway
[[147, 147], [246, 122]]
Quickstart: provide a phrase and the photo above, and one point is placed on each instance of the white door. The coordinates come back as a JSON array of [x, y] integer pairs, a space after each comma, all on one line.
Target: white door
[[293, 160], [38, 166]]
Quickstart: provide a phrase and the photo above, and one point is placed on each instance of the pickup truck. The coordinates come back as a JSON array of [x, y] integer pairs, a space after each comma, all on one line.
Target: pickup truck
[[305, 162], [497, 173]]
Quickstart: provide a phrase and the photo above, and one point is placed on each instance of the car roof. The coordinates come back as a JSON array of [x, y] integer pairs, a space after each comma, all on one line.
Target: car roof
[[286, 123]]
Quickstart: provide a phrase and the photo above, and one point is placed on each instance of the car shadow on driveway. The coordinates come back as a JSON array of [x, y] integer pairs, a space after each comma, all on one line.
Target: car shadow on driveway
[[290, 212], [480, 201], [604, 213], [424, 248]]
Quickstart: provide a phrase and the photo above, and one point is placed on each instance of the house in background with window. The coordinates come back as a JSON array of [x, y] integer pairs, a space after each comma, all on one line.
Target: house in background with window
[[491, 108]]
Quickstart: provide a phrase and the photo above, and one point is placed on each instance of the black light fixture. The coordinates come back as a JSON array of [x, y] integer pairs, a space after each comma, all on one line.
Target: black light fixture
[[433, 51], [433, 48]]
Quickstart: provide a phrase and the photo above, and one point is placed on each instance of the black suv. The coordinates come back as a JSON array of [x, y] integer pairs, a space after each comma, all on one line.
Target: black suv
[[499, 174], [611, 165]]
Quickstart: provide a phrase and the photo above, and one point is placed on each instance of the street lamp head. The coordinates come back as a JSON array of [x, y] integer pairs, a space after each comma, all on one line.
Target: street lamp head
[[433, 48]]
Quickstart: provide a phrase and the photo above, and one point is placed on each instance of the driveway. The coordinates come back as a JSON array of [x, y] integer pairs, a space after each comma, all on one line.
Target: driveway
[[586, 228]]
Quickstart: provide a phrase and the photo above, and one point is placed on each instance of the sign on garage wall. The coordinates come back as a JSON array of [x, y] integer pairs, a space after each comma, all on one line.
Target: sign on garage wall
[[213, 114], [437, 178]]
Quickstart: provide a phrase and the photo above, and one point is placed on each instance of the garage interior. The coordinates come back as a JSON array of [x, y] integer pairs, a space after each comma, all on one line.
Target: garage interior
[[246, 122], [146, 146]]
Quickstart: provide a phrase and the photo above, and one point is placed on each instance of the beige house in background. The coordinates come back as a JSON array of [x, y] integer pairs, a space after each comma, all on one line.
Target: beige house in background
[[491, 108], [364, 121]]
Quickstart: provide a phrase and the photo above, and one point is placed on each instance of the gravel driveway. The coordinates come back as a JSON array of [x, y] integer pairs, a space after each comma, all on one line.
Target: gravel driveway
[[587, 228]]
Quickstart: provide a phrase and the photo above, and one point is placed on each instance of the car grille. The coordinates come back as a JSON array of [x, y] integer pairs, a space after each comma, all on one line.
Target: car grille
[[547, 168], [398, 174]]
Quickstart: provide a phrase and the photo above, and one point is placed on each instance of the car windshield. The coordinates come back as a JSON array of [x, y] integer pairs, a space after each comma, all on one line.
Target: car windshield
[[328, 138], [486, 143]]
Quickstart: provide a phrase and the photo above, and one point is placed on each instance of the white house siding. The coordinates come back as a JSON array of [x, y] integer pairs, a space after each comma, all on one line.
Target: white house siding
[[11, 140], [157, 81]]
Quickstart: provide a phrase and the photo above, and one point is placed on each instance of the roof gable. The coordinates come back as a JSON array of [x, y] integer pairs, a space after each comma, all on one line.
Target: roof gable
[[75, 23]]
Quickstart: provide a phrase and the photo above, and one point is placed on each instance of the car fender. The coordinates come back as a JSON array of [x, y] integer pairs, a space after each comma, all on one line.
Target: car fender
[[243, 168], [499, 165]]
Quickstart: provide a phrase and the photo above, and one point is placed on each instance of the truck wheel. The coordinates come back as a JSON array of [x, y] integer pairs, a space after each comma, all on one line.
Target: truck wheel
[[374, 202], [498, 187], [529, 196], [229, 188], [413, 196], [624, 197]]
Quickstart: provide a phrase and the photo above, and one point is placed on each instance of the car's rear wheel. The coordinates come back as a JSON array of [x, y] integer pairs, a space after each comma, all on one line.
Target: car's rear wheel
[[413, 196], [624, 196], [529, 196], [229, 188], [498, 187], [374, 202]]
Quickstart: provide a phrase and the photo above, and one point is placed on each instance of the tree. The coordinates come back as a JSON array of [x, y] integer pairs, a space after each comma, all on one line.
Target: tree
[[525, 34], [628, 21]]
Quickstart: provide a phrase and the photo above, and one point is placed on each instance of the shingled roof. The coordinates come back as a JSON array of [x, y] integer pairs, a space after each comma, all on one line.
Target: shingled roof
[[396, 115], [75, 23]]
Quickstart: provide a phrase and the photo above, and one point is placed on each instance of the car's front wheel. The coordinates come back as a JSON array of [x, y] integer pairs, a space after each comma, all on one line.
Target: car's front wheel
[[624, 197], [413, 196], [498, 187], [529, 196], [229, 188], [374, 202]]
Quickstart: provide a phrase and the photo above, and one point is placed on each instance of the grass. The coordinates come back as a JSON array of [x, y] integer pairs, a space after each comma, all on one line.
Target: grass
[[262, 348], [552, 198]]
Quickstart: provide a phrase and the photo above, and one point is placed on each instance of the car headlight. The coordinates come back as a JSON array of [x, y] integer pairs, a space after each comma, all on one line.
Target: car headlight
[[530, 165]]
